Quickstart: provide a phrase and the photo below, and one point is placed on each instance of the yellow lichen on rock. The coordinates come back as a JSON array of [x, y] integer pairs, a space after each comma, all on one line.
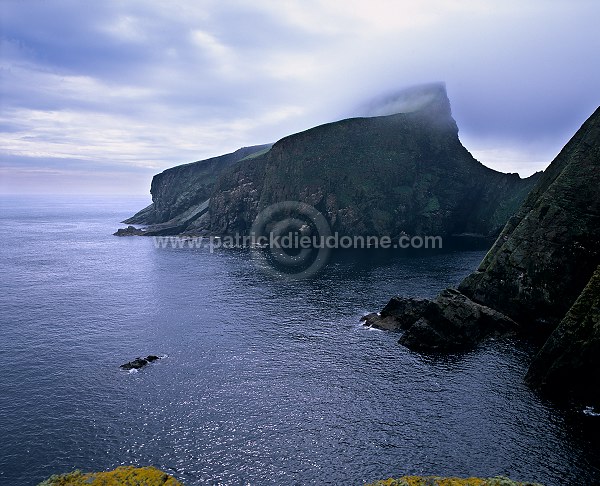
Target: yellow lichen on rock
[[438, 481], [122, 476]]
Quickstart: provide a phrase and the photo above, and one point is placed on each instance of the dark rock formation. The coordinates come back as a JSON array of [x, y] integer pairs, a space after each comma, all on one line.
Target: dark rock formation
[[399, 314], [568, 365], [385, 175], [548, 251], [449, 322], [138, 363], [129, 231], [180, 195], [539, 273], [454, 322]]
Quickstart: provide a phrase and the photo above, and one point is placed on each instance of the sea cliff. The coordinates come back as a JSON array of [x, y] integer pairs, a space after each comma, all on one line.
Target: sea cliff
[[541, 274], [404, 173]]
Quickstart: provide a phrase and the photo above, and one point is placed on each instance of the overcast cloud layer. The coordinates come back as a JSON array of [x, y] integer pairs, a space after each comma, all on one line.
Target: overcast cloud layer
[[99, 96]]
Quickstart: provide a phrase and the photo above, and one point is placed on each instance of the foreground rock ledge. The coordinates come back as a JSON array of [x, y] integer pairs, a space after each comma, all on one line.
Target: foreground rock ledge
[[438, 481], [122, 476]]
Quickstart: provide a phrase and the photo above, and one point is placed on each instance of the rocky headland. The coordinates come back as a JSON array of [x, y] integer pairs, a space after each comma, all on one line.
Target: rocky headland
[[541, 278], [404, 173]]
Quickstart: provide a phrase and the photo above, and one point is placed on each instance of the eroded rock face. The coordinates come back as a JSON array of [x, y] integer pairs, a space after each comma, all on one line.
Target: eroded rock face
[[406, 172], [180, 188], [569, 363], [548, 251], [543, 270]]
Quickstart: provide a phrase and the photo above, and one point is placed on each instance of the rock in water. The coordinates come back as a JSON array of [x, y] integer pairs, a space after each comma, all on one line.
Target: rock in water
[[450, 322], [138, 363], [454, 322], [129, 231]]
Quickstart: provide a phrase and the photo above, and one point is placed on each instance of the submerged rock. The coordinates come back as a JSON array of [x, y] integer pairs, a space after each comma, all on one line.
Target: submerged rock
[[122, 476], [138, 363]]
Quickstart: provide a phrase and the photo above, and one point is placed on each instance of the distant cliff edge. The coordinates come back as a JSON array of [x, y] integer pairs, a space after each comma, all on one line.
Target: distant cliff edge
[[401, 173]]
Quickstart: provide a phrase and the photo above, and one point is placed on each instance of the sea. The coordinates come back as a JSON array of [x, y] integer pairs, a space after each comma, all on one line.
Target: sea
[[262, 380]]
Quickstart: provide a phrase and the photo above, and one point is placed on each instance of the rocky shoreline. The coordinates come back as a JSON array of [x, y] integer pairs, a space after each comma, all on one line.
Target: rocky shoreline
[[541, 278]]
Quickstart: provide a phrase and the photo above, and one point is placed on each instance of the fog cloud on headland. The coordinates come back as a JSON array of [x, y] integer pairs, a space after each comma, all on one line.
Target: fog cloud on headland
[[99, 96]]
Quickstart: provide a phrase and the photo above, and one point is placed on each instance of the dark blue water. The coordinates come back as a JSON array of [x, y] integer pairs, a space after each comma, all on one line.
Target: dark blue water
[[266, 381]]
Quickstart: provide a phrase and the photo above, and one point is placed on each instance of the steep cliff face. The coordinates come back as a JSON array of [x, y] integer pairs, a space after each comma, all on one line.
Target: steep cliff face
[[385, 175], [180, 188], [569, 363], [548, 251], [544, 269]]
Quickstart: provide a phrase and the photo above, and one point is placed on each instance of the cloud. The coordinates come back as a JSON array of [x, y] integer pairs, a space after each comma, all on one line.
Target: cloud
[[146, 85]]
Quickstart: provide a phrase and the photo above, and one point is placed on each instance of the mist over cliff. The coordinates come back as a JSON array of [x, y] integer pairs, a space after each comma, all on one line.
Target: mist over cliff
[[401, 171]]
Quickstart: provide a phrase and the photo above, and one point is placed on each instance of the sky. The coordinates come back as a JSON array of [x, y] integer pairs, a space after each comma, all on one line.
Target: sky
[[97, 97]]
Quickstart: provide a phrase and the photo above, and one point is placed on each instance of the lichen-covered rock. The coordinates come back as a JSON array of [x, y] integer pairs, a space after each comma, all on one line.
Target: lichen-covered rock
[[122, 476], [439, 481], [569, 362]]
